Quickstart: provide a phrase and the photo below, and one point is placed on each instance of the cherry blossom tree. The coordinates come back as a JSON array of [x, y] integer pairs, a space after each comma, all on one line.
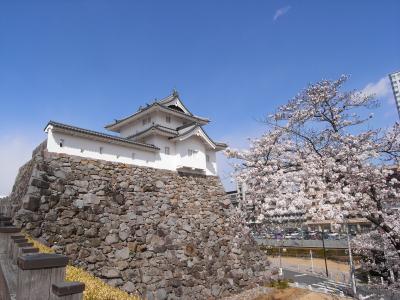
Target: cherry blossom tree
[[377, 256], [320, 155]]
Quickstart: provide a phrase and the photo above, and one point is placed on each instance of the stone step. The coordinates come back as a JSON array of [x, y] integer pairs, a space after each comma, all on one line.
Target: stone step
[[17, 237], [65, 289], [29, 250], [24, 244], [6, 223]]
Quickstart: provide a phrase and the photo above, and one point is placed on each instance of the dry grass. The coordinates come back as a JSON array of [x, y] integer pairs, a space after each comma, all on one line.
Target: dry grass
[[95, 289]]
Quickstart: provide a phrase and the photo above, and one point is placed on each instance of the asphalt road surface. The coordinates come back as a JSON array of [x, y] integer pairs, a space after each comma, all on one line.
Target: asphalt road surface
[[320, 284], [317, 284]]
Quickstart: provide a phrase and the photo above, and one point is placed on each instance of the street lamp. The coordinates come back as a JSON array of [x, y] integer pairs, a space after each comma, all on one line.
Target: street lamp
[[323, 246], [352, 277]]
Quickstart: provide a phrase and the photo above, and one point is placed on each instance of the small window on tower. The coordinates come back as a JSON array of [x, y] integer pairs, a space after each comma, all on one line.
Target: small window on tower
[[166, 150], [191, 152], [133, 155], [168, 119], [61, 143], [101, 150], [207, 158], [82, 150]]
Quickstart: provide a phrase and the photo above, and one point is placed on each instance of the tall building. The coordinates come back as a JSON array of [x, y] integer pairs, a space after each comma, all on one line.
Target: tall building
[[395, 81]]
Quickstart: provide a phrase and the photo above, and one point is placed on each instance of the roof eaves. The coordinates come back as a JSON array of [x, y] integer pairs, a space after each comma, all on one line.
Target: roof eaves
[[128, 117], [217, 144], [109, 126], [186, 132], [99, 134], [186, 125]]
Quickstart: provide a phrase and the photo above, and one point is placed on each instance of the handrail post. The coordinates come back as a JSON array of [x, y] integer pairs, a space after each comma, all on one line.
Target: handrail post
[[37, 273]]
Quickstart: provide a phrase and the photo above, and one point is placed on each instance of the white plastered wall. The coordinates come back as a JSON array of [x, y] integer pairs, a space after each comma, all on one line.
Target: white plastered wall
[[197, 160], [85, 147], [212, 163], [163, 160]]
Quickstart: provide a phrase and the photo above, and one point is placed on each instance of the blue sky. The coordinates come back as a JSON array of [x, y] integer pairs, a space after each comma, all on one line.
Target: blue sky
[[88, 62]]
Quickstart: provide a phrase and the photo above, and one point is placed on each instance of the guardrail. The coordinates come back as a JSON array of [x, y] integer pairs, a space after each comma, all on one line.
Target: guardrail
[[26, 274], [329, 244]]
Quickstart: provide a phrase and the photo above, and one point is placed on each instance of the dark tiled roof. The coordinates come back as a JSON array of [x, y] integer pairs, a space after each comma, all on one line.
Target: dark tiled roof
[[186, 125], [221, 144], [100, 134], [176, 132], [162, 106], [158, 127]]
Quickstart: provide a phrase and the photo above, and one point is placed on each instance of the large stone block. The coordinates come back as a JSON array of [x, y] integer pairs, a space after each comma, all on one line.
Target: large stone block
[[40, 183], [166, 235], [31, 202]]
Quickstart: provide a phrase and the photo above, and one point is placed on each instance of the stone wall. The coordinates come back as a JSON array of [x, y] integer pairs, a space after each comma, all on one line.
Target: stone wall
[[163, 234]]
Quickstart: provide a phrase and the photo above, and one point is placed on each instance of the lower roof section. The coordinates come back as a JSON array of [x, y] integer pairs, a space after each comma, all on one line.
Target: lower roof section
[[77, 131]]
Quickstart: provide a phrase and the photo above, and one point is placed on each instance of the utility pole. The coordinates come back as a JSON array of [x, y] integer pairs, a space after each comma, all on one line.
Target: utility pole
[[323, 246], [352, 277], [312, 262], [280, 260]]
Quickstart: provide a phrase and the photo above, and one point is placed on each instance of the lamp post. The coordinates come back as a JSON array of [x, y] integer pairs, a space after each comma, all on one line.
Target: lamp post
[[312, 262], [352, 277], [323, 246]]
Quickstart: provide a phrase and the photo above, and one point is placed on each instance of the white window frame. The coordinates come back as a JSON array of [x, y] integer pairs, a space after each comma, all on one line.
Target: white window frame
[[167, 150]]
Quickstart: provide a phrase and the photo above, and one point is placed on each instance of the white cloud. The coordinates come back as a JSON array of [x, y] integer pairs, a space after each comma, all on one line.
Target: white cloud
[[15, 150], [281, 11], [381, 89]]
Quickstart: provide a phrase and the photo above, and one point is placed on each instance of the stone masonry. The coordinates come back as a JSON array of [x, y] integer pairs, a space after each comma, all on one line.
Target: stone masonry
[[159, 233]]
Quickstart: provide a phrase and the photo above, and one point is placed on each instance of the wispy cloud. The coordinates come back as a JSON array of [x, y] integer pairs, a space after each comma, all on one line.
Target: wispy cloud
[[381, 89], [280, 12]]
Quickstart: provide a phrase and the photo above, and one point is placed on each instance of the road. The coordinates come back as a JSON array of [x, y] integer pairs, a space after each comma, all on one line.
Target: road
[[320, 284], [317, 284]]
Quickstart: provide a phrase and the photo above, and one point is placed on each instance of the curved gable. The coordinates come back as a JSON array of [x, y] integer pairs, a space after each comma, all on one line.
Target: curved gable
[[196, 131]]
